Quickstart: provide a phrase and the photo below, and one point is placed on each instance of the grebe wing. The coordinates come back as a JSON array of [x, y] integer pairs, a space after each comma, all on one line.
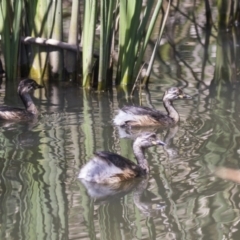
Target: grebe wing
[[117, 160], [137, 110], [12, 113]]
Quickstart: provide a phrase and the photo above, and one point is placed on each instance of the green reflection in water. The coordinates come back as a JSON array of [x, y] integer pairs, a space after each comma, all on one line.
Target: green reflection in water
[[182, 199]]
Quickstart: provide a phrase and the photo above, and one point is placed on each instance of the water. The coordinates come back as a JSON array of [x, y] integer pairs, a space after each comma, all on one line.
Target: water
[[192, 191], [41, 197]]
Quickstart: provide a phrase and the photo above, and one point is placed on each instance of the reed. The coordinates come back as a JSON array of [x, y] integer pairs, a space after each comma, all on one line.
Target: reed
[[150, 65], [10, 27], [45, 21], [228, 13], [136, 20], [71, 57], [130, 12], [38, 25], [90, 13], [136, 26], [149, 31], [56, 57], [106, 35]]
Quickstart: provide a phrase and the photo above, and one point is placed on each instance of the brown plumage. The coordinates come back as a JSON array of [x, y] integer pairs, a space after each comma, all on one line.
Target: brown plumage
[[144, 116], [108, 168], [17, 114]]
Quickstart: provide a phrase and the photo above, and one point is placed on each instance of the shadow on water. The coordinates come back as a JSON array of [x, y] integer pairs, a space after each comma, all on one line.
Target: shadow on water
[[192, 191]]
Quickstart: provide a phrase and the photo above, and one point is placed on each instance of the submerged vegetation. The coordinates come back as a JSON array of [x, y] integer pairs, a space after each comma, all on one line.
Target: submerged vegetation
[[106, 41]]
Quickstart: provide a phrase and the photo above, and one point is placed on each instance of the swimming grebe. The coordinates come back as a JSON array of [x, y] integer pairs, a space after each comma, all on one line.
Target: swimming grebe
[[11, 113], [108, 168], [144, 116]]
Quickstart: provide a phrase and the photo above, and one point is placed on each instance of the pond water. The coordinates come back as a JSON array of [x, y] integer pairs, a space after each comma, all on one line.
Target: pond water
[[192, 191], [182, 198]]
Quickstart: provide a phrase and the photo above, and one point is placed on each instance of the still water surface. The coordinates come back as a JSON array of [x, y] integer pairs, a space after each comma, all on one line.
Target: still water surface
[[186, 195]]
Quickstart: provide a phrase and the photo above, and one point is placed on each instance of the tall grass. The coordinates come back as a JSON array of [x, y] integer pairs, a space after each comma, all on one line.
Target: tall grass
[[90, 14], [228, 13], [10, 28], [56, 57], [37, 25], [106, 36], [71, 56], [125, 30], [130, 12], [128, 43], [136, 26], [150, 65]]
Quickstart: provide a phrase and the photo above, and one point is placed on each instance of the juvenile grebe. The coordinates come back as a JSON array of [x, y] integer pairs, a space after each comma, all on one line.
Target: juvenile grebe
[[144, 116], [24, 88], [108, 168]]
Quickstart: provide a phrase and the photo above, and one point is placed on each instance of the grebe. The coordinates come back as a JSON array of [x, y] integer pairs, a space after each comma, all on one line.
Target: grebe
[[11, 113], [109, 168], [144, 116]]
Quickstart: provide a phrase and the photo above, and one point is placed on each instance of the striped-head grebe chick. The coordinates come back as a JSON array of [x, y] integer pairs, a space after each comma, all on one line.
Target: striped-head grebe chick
[[108, 168], [144, 116], [25, 87]]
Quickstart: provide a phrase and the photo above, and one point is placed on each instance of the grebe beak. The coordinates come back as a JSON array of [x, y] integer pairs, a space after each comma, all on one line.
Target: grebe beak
[[184, 96], [158, 142]]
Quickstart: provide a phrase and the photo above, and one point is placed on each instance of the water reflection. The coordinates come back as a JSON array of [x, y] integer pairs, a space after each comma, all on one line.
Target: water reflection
[[41, 197], [228, 174], [170, 148], [117, 202], [109, 192]]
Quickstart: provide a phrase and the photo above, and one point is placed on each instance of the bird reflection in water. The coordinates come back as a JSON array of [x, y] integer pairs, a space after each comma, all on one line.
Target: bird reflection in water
[[146, 201], [169, 147]]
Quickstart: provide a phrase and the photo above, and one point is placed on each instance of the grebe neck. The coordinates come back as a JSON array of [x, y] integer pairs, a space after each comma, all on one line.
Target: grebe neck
[[140, 157], [171, 110], [28, 103]]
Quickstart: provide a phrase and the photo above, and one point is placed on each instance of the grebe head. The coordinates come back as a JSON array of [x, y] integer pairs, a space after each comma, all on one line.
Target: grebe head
[[147, 140], [174, 93], [28, 85]]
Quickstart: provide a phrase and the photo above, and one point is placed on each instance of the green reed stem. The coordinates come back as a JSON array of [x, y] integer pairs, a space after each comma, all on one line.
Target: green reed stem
[[10, 26], [56, 54], [90, 12], [73, 37], [106, 32], [38, 26], [128, 31], [150, 65], [148, 32]]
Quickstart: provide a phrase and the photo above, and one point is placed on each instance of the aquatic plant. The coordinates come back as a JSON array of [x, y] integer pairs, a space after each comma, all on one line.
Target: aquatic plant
[[10, 26], [90, 14]]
